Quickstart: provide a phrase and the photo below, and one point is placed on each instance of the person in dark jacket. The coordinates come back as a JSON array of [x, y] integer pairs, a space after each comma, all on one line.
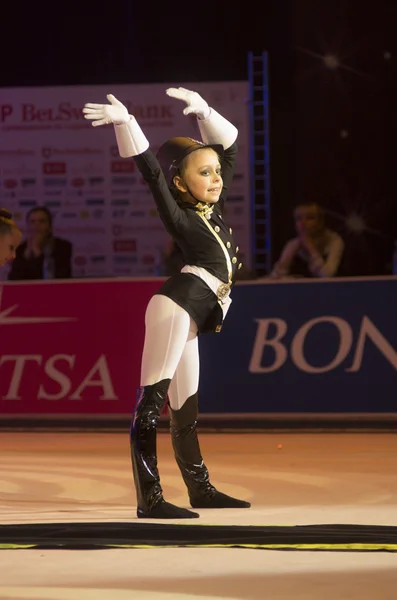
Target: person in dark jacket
[[189, 180], [42, 255]]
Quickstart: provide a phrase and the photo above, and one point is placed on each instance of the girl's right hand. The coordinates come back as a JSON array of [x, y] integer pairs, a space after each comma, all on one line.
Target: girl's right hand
[[105, 114]]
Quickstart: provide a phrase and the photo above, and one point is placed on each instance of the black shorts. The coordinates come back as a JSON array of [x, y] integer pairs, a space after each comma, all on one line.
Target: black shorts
[[193, 295]]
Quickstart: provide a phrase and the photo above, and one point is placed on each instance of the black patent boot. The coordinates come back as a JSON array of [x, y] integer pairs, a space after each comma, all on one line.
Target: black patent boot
[[143, 433], [188, 457]]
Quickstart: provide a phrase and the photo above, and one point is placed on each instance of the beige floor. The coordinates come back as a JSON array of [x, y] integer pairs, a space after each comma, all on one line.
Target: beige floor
[[312, 479]]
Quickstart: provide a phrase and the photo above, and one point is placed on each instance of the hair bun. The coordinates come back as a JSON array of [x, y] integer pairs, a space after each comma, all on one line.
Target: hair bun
[[5, 213]]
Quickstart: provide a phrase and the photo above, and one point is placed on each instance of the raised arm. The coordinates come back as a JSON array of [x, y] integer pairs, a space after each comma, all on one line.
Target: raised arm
[[328, 267], [282, 267], [214, 129], [132, 142]]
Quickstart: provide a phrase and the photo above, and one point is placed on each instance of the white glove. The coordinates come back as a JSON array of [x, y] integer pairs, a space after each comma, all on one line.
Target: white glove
[[195, 103], [104, 114]]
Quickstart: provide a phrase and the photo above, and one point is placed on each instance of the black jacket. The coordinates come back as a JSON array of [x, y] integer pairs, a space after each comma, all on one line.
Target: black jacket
[[33, 268], [194, 235]]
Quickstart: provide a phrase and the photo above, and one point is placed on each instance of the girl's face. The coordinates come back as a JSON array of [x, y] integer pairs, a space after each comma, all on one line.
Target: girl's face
[[9, 242], [201, 176]]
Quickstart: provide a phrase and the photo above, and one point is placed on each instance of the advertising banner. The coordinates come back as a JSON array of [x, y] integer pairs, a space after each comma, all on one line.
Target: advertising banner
[[50, 155], [71, 348], [74, 348], [304, 347]]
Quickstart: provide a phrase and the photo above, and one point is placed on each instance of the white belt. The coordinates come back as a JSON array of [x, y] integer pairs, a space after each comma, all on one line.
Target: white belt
[[220, 289]]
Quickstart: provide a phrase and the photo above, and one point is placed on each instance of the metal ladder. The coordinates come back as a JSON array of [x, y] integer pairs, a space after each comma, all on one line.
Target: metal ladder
[[259, 158]]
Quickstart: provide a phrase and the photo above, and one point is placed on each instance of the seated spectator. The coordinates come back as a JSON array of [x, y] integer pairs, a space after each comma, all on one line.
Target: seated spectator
[[41, 255], [315, 252]]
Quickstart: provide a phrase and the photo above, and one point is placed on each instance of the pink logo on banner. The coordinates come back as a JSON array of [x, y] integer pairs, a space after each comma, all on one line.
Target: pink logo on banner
[[119, 166], [54, 168], [72, 348]]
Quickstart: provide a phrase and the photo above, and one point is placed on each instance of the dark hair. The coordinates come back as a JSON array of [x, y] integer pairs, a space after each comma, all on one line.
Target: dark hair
[[43, 209], [6, 222], [307, 204]]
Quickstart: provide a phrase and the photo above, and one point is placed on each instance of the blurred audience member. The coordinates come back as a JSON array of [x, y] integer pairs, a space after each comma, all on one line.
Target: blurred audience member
[[315, 252], [41, 255], [10, 237]]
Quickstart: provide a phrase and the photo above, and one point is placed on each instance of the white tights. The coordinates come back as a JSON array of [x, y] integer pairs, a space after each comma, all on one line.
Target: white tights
[[170, 350]]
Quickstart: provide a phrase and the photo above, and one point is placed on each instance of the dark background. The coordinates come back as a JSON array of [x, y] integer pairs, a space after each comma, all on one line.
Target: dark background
[[333, 128]]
